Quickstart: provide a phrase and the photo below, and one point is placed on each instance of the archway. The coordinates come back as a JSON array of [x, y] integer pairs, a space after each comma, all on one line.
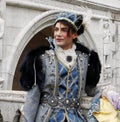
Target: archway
[[29, 39], [36, 41]]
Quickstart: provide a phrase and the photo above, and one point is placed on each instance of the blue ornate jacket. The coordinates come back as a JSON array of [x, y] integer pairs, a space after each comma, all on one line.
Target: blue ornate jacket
[[47, 76]]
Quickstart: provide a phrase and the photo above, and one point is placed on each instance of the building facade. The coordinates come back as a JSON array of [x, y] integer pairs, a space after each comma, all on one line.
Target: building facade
[[24, 25]]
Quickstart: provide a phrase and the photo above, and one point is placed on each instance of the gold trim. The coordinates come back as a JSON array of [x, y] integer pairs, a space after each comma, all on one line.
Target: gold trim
[[56, 79]]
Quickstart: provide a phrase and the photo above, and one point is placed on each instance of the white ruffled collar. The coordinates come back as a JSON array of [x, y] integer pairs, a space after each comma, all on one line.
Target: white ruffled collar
[[63, 54]]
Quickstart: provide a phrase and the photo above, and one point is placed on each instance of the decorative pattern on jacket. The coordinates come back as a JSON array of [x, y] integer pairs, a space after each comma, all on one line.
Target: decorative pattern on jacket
[[53, 86], [27, 71]]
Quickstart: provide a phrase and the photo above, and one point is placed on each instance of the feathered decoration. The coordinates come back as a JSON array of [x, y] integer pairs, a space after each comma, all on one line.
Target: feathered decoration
[[79, 24]]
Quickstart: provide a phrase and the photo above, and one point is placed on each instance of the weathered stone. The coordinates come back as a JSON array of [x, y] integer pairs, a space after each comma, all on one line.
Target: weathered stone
[[28, 22]]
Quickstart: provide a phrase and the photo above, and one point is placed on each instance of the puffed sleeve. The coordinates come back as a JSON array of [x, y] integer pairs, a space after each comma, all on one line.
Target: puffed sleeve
[[93, 73], [27, 73], [27, 76]]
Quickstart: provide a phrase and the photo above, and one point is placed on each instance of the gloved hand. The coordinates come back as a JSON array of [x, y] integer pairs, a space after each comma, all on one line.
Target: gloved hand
[[114, 99]]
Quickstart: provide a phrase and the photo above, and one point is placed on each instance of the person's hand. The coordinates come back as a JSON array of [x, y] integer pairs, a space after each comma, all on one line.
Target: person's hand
[[114, 99]]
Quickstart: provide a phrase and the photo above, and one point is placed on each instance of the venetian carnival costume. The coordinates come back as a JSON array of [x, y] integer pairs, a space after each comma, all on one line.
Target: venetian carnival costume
[[62, 77]]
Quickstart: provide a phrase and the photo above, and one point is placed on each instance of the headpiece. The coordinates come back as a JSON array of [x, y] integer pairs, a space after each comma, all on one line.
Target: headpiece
[[69, 17]]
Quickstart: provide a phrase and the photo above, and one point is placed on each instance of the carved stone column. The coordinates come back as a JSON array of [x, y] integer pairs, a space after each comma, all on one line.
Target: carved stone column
[[1, 38], [1, 35], [117, 57], [1, 26], [107, 52]]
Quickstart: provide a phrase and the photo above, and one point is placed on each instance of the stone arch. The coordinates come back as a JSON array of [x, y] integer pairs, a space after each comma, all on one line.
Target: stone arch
[[40, 22], [87, 40]]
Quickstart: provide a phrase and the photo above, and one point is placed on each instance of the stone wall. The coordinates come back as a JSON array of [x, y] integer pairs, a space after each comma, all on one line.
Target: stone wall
[[21, 20], [10, 101]]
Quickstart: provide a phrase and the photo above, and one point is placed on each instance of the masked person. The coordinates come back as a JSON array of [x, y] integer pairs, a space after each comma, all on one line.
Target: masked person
[[63, 72]]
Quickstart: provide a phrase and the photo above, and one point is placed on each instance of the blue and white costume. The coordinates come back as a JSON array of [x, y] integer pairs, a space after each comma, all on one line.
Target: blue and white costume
[[61, 82]]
